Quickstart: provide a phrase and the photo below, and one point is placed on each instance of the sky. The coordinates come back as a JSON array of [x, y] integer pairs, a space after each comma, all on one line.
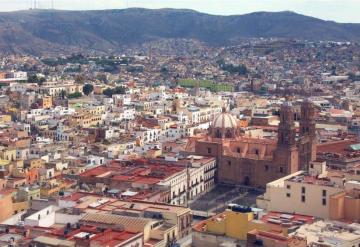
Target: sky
[[336, 10]]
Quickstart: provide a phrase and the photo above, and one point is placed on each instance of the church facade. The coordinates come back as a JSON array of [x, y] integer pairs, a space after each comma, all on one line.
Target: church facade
[[255, 161]]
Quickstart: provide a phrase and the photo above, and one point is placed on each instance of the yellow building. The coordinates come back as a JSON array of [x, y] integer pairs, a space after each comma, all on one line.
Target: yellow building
[[233, 223], [20, 206], [34, 163], [97, 110], [4, 164], [46, 102], [85, 120], [53, 187], [28, 194], [8, 154], [236, 222], [5, 119]]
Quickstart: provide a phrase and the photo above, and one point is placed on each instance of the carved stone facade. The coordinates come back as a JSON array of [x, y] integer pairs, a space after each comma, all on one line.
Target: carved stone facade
[[254, 161]]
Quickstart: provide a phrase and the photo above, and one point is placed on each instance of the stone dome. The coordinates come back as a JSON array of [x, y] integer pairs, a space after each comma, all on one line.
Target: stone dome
[[224, 125], [224, 120]]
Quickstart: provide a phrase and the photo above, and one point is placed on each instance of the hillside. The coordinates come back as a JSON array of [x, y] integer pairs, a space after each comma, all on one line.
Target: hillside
[[39, 31]]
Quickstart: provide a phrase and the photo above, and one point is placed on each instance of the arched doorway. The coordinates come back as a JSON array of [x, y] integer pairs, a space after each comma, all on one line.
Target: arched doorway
[[247, 181]]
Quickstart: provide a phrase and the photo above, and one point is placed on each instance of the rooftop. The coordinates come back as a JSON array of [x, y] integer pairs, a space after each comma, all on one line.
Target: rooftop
[[334, 233], [94, 203]]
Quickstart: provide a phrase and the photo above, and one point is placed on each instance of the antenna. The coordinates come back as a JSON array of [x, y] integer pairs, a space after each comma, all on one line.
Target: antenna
[[35, 4], [52, 4]]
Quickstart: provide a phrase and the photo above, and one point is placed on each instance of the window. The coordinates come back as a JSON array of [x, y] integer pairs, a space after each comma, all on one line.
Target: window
[[209, 150], [288, 195], [288, 186], [303, 190], [229, 162], [324, 201], [324, 192], [281, 169], [311, 166], [218, 133], [266, 167], [302, 198], [257, 151], [238, 150]]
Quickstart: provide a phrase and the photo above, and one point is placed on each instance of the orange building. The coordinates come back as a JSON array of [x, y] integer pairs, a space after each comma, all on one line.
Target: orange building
[[5, 204], [31, 175], [345, 206]]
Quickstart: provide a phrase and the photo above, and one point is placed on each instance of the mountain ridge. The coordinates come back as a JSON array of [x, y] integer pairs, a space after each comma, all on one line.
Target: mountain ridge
[[43, 31]]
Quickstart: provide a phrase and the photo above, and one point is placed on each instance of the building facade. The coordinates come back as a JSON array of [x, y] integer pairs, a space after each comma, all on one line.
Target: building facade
[[257, 161]]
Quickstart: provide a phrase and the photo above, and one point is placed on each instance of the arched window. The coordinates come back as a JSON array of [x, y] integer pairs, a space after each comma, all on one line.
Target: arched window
[[228, 134], [238, 150], [218, 133]]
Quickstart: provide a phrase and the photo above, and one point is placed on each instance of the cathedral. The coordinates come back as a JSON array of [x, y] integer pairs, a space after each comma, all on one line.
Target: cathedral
[[257, 161]]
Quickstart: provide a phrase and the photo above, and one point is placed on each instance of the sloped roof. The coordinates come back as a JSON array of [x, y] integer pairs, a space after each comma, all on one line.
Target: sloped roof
[[129, 223]]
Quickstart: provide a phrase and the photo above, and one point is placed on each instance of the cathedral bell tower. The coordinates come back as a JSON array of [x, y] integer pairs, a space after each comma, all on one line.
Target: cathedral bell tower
[[286, 154], [286, 131], [307, 140]]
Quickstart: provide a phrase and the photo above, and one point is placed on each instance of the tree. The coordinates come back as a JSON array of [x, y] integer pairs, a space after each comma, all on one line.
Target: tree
[[117, 90], [62, 94], [36, 79], [120, 90], [79, 79], [74, 95], [88, 88], [232, 69], [108, 92]]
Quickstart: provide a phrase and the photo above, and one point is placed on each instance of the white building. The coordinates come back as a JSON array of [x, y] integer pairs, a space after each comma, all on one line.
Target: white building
[[50, 216], [331, 234], [304, 194], [93, 160], [147, 135], [202, 114], [122, 99]]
